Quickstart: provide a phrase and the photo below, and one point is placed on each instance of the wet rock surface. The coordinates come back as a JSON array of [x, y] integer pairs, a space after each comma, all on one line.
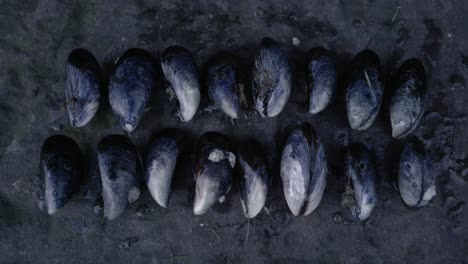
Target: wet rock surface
[[37, 36]]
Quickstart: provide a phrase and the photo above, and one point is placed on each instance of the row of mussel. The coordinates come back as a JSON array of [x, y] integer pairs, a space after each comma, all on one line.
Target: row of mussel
[[303, 171], [134, 76]]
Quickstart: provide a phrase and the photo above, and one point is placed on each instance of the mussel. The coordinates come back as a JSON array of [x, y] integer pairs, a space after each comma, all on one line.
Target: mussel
[[181, 72], [130, 86], [61, 164], [160, 164], [222, 84], [360, 192], [322, 79], [254, 177], [303, 170], [416, 182], [82, 87], [407, 101], [120, 171], [365, 90], [213, 169], [271, 78]]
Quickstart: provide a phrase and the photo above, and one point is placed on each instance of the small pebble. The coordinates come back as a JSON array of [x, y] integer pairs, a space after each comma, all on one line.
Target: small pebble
[[346, 222], [337, 218], [296, 42], [128, 242], [98, 209], [141, 210]]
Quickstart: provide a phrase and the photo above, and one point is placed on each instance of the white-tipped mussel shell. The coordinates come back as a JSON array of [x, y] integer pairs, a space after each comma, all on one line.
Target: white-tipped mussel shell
[[180, 70], [416, 182], [130, 86], [254, 177], [82, 87], [120, 171], [222, 84], [61, 167], [213, 169], [161, 161], [360, 180], [365, 90], [407, 101], [303, 170], [322, 79], [271, 78]]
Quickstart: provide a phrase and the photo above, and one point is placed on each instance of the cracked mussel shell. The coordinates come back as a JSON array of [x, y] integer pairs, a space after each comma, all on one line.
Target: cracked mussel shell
[[303, 170], [254, 177], [322, 79], [120, 171], [365, 89], [61, 168], [360, 191], [83, 82], [416, 182], [160, 164], [213, 170], [271, 78], [222, 84], [407, 100], [130, 85], [180, 71]]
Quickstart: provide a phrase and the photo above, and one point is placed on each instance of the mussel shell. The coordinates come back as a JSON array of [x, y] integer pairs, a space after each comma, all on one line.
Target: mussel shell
[[271, 79], [213, 169], [61, 165], [407, 102], [82, 87], [120, 171], [416, 182], [322, 79], [254, 177], [181, 72], [130, 86], [365, 90], [361, 178], [222, 84], [303, 170], [160, 164]]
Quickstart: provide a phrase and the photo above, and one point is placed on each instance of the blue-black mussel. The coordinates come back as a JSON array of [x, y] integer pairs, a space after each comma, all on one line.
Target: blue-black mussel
[[416, 181], [322, 79], [120, 171], [254, 177], [303, 170], [61, 167], [360, 191], [161, 161], [181, 72], [407, 101], [222, 84], [271, 78], [82, 87], [365, 90], [213, 170], [130, 85]]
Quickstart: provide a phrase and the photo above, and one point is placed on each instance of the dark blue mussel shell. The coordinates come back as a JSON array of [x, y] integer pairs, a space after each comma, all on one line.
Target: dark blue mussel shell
[[61, 165], [160, 164], [303, 170], [222, 85], [416, 182], [322, 79], [365, 90], [407, 101], [360, 180], [120, 171], [181, 72], [130, 86], [82, 87], [213, 169], [254, 177], [271, 78]]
